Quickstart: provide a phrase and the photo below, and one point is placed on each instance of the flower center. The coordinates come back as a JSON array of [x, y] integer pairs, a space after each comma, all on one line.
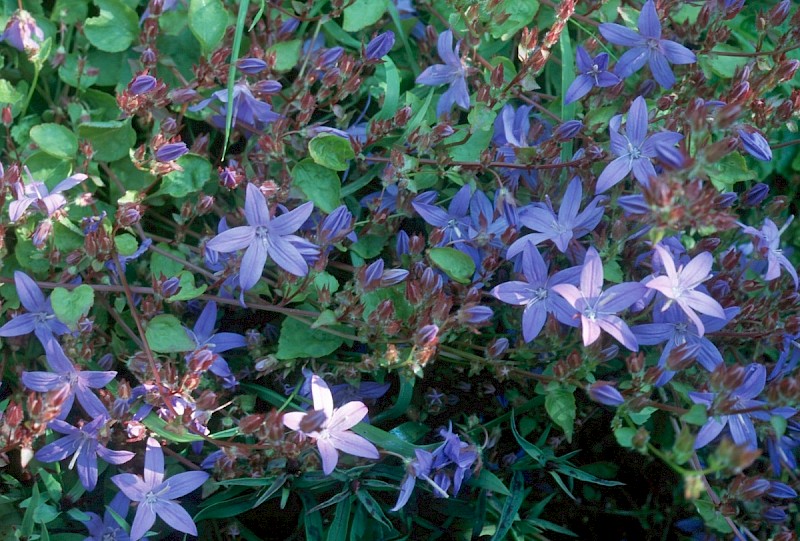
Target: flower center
[[262, 233], [539, 294], [634, 151], [653, 44], [453, 224]]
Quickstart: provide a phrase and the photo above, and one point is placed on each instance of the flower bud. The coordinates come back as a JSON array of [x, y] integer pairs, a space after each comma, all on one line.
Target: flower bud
[[497, 348], [568, 130], [426, 336], [755, 195], [251, 66], [379, 46], [267, 87], [604, 393], [23, 33], [171, 152], [142, 84], [755, 145]]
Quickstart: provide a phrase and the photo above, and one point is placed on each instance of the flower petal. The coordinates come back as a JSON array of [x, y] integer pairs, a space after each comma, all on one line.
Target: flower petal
[[255, 257], [636, 127], [42, 382], [176, 516], [113, 456], [631, 61], [255, 206], [153, 464], [287, 257], [437, 74], [347, 416], [321, 394], [643, 170], [649, 25], [592, 274], [709, 431], [329, 456], [204, 327], [292, 419], [131, 485], [289, 222], [21, 325], [660, 69], [355, 445], [615, 171], [620, 35], [144, 519], [581, 86], [617, 328], [517, 293], [677, 53], [184, 483], [29, 293], [233, 239], [533, 319]]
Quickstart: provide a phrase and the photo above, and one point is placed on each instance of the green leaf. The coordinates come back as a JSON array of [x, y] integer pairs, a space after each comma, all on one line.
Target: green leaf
[[331, 151], [208, 20], [287, 54], [480, 131], [165, 334], [456, 264], [70, 11], [115, 29], [318, 183], [403, 400], [390, 89], [363, 13], [55, 140], [520, 13], [624, 436], [110, 140], [560, 406], [163, 265], [489, 481], [696, 415], [385, 440], [187, 290], [126, 244], [728, 171], [71, 306], [373, 508], [511, 506], [299, 340], [641, 417], [196, 172], [341, 519]]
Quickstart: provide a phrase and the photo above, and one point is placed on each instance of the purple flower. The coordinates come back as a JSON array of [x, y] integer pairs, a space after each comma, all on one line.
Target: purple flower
[[374, 276], [647, 47], [109, 529], [675, 328], [251, 66], [265, 237], [156, 496], [635, 149], [82, 444], [417, 469], [598, 308], [336, 226], [454, 223], [40, 318], [267, 86], [536, 294], [80, 382], [592, 72], [246, 108], [560, 228], [379, 46], [742, 398], [679, 286], [36, 193], [568, 130], [451, 73], [768, 244], [171, 152], [23, 33], [755, 145], [332, 433], [204, 337]]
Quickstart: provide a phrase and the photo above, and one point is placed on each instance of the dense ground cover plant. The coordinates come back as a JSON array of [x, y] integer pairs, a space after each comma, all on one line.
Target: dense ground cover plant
[[379, 269]]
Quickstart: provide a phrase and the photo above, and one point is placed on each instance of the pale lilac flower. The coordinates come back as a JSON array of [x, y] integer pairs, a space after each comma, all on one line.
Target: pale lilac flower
[[679, 286], [333, 433], [635, 149], [451, 72], [109, 529], [265, 237], [80, 382], [156, 496], [647, 46], [40, 318], [246, 108], [36, 193], [560, 228], [82, 444], [598, 308], [768, 244], [23, 33], [592, 72], [536, 294], [755, 145], [742, 398], [204, 336]]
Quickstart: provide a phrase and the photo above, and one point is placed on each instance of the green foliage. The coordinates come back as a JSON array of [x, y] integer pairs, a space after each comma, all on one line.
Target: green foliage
[[165, 334], [208, 20], [71, 306], [320, 184]]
